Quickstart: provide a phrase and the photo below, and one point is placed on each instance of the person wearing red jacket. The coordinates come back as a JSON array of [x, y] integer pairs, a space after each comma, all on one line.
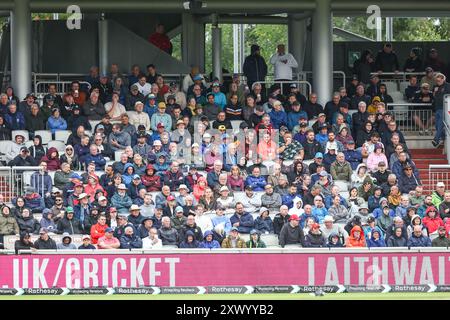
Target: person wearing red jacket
[[160, 39], [150, 180], [98, 230], [432, 221], [93, 187]]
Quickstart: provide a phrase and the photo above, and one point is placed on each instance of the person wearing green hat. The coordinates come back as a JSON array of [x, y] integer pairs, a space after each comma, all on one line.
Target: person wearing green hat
[[69, 223]]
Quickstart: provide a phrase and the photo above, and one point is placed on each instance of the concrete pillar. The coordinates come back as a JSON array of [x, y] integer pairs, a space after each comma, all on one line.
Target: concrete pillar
[[322, 51], [193, 41], [216, 34], [21, 48], [103, 45], [297, 38]]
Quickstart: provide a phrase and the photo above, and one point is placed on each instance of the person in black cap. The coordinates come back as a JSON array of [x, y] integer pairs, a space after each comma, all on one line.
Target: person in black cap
[[76, 119], [25, 105], [23, 159], [386, 60], [255, 67]]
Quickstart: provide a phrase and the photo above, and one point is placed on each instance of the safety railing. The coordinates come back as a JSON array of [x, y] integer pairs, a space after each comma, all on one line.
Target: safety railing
[[413, 117], [403, 76], [6, 183], [307, 75], [61, 87], [287, 83], [438, 173], [22, 179]]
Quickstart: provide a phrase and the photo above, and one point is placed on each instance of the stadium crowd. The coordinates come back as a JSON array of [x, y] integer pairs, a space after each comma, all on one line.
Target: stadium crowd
[[203, 163]]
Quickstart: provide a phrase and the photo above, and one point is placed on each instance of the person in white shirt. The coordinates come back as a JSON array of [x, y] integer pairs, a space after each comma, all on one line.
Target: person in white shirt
[[202, 220], [114, 108], [143, 86], [152, 241], [139, 117], [283, 64]]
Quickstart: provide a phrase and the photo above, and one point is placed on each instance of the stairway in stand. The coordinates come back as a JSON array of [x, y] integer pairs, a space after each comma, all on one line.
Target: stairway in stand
[[423, 158]]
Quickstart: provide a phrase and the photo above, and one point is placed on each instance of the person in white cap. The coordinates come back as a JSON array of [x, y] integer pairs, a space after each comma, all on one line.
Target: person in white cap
[[437, 197], [328, 227], [121, 200], [225, 200], [135, 217], [138, 116], [184, 192]]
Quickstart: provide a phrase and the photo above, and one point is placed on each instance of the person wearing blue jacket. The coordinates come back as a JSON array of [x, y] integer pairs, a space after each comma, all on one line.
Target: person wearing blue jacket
[[264, 223], [130, 240], [374, 200], [208, 241], [255, 180], [120, 200], [56, 122], [15, 120], [353, 156], [277, 116], [241, 219], [219, 98], [294, 116], [319, 210], [127, 174], [221, 219], [417, 239], [288, 199], [189, 241], [376, 239], [96, 157]]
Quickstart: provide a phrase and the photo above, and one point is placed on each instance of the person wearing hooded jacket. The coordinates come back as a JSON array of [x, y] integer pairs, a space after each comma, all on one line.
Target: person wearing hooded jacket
[[47, 221], [397, 239], [334, 241], [208, 241], [264, 223], [255, 240], [432, 221], [356, 238], [376, 239], [189, 241], [37, 150], [52, 159], [66, 243], [69, 224]]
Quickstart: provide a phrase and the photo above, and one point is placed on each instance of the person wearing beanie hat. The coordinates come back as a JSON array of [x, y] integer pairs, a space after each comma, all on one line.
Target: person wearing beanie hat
[[66, 243]]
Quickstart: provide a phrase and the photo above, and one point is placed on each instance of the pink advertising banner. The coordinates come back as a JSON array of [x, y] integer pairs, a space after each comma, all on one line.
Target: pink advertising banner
[[308, 269]]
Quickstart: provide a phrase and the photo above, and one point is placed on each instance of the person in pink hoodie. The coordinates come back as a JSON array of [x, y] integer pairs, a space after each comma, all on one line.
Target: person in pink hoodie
[[376, 157]]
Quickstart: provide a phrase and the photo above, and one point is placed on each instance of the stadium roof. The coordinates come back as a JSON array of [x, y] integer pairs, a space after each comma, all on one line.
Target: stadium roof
[[226, 6]]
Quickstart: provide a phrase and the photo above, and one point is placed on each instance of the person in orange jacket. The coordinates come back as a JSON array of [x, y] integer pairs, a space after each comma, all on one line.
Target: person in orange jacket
[[356, 238], [98, 229]]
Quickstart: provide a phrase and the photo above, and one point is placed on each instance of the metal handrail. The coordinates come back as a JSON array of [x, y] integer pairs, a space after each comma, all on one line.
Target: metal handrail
[[408, 104], [344, 77], [289, 82], [59, 84]]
